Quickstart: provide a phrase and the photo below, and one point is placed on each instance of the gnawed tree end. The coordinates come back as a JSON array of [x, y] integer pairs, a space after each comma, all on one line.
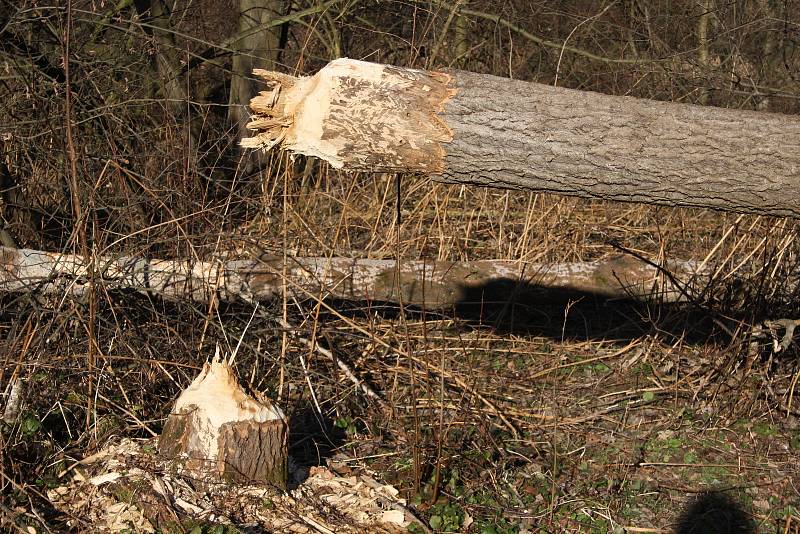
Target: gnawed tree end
[[356, 115], [219, 432]]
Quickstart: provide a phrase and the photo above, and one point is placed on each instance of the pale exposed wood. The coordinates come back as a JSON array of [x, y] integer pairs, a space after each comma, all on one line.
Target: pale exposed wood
[[218, 431], [433, 285], [356, 115], [508, 133]]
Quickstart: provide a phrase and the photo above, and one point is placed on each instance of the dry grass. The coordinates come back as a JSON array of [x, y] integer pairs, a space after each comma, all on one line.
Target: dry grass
[[590, 417]]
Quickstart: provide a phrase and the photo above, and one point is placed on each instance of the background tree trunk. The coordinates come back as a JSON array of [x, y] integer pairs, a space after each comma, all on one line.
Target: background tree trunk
[[478, 129], [157, 14], [255, 48]]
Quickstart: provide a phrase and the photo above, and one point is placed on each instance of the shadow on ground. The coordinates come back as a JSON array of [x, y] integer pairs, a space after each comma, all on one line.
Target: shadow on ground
[[313, 438], [517, 307]]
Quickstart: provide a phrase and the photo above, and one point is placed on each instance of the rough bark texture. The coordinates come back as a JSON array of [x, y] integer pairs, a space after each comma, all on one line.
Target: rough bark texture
[[167, 56], [218, 431], [255, 451], [433, 285], [524, 135], [255, 48], [514, 134]]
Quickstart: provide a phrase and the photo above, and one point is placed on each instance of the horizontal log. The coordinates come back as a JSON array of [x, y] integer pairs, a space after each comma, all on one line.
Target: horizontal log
[[468, 128], [432, 285]]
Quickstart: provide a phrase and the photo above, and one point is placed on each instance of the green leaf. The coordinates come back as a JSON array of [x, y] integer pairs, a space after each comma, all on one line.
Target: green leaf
[[648, 396], [30, 425], [436, 522], [342, 422]]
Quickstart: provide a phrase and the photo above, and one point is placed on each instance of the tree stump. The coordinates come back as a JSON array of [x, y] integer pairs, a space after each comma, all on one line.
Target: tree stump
[[219, 432]]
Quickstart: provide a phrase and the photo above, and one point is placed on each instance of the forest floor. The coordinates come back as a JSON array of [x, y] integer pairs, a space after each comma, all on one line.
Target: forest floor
[[567, 413]]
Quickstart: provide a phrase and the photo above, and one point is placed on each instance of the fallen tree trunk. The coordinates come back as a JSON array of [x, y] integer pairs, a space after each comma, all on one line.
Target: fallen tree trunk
[[431, 285], [483, 130]]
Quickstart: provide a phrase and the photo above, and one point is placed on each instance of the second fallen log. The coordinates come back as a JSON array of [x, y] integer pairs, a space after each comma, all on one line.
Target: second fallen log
[[430, 285], [469, 128]]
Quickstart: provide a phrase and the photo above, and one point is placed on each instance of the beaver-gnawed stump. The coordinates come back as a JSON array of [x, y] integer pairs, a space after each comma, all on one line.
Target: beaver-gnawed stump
[[217, 431]]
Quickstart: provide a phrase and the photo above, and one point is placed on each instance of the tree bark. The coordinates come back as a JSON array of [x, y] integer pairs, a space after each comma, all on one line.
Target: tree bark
[[431, 285], [167, 57], [255, 48], [477, 129]]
